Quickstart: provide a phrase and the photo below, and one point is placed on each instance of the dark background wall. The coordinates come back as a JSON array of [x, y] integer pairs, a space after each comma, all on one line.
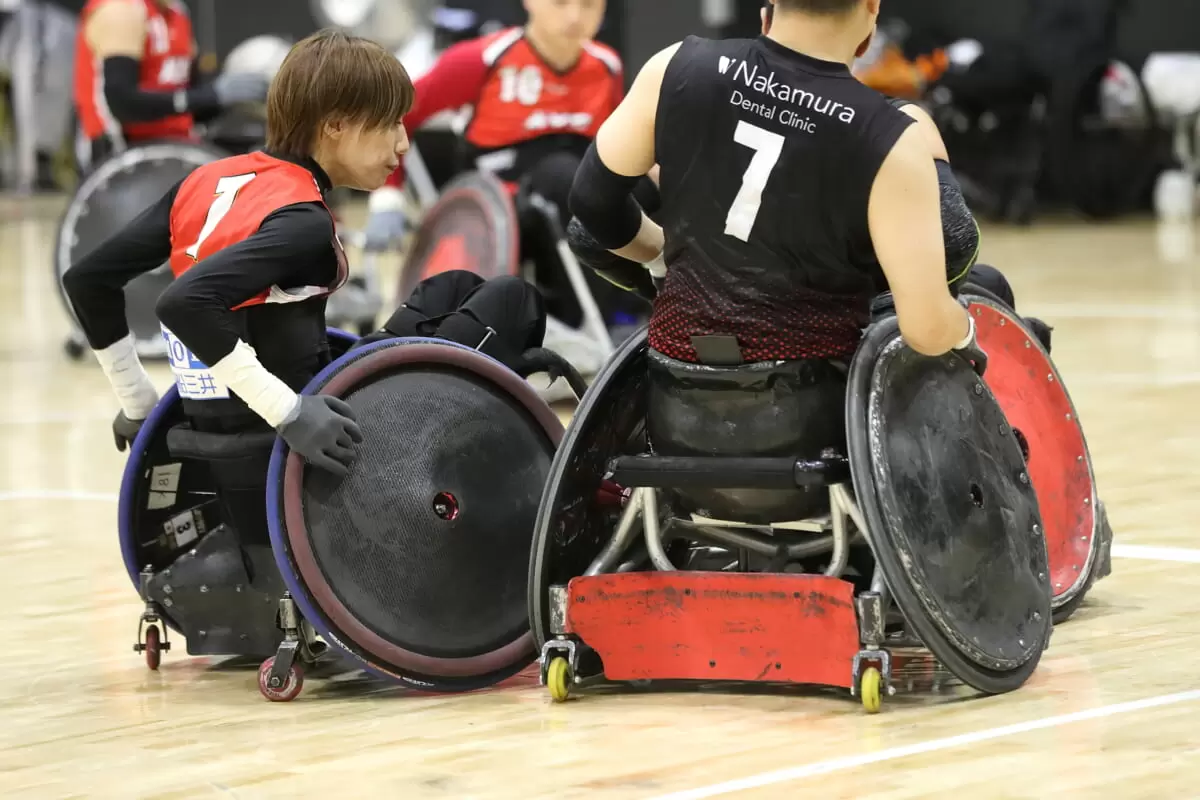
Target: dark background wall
[[641, 27]]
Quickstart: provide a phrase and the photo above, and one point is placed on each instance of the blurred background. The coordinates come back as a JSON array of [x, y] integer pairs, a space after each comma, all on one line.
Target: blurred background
[[1080, 105]]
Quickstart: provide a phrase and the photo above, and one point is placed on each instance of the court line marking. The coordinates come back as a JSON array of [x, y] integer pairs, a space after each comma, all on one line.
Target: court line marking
[[1150, 553], [947, 743]]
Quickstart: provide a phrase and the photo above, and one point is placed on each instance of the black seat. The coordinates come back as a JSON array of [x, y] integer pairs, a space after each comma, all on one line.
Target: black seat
[[784, 409]]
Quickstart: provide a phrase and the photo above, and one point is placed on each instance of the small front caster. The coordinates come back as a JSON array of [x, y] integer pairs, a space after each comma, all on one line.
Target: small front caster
[[280, 688], [559, 679], [870, 689], [150, 639], [153, 648]]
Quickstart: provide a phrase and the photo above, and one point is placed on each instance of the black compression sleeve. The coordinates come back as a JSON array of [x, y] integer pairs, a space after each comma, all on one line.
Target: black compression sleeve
[[129, 103], [603, 201], [96, 284], [292, 248], [959, 229]]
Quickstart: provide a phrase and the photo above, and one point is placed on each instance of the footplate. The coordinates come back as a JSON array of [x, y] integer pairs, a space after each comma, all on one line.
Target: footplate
[[714, 626]]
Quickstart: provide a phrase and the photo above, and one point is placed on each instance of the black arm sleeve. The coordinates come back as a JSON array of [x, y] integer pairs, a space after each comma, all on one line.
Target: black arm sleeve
[[129, 103], [96, 285], [603, 201], [292, 248]]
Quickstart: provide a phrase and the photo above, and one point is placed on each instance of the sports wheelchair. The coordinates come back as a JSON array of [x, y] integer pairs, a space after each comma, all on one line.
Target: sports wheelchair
[[793, 522], [411, 568]]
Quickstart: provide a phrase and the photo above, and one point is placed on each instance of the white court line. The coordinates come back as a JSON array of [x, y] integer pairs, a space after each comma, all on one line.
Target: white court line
[[893, 753], [56, 494], [1183, 554]]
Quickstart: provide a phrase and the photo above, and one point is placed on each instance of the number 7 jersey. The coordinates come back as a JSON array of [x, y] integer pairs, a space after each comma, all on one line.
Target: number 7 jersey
[[767, 161]]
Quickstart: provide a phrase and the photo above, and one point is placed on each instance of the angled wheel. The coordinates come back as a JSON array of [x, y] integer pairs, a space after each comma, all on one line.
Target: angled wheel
[[952, 517], [414, 565]]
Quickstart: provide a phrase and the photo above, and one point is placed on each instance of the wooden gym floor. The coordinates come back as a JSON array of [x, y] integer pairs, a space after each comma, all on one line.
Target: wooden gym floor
[[1110, 713]]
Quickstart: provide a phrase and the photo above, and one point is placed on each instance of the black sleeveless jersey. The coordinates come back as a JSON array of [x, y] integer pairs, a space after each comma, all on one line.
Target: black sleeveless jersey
[[767, 161]]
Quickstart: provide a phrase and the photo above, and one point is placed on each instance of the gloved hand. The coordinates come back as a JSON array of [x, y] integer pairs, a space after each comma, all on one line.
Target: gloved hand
[[125, 430], [322, 430], [621, 272], [240, 88], [969, 347], [384, 228]]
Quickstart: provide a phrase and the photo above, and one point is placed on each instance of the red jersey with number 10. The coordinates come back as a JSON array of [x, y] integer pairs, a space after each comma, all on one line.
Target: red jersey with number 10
[[224, 202], [519, 102], [166, 66]]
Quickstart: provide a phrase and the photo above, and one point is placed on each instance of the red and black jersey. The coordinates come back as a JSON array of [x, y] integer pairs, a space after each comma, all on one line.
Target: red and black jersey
[[522, 108], [166, 66], [225, 202]]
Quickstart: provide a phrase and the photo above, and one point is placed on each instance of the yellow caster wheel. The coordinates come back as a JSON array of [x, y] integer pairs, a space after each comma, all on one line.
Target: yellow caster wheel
[[870, 689], [558, 679]]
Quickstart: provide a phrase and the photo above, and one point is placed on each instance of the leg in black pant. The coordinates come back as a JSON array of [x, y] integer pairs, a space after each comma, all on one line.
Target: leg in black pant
[[502, 317]]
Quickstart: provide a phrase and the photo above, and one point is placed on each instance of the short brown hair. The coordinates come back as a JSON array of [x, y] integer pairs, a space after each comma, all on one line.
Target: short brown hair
[[331, 75], [821, 7]]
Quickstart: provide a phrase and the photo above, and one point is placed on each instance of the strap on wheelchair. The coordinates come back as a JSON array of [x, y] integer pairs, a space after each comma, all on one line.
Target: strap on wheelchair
[[185, 442]]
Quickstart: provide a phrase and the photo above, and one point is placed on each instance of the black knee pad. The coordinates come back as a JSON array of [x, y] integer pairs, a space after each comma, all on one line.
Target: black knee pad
[[511, 306], [432, 299]]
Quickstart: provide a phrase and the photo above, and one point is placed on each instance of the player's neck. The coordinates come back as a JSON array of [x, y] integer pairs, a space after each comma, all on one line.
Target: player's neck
[[823, 38], [556, 55]]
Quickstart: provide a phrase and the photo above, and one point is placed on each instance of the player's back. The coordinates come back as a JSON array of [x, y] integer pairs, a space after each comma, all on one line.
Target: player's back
[[767, 160]]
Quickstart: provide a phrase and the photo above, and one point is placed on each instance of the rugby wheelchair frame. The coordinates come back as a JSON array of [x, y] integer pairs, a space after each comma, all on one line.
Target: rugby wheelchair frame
[[823, 610], [277, 602]]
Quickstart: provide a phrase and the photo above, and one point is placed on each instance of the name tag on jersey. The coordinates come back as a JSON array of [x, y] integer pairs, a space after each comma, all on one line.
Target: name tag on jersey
[[192, 376]]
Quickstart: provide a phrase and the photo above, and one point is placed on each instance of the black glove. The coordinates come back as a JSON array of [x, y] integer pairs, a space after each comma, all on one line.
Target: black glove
[[323, 431], [620, 272], [971, 351], [125, 430]]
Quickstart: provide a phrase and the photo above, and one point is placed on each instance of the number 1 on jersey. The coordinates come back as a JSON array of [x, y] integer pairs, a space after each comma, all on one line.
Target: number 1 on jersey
[[226, 193], [767, 148]]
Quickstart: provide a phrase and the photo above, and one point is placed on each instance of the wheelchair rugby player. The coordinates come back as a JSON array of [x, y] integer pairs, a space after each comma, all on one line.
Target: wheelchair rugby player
[[805, 439], [266, 415]]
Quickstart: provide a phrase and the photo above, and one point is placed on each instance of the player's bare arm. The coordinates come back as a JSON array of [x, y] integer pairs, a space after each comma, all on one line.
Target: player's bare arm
[[117, 28], [622, 153], [904, 215]]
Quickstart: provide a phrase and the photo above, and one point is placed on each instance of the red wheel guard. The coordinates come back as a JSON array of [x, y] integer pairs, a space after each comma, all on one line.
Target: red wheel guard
[[717, 626]]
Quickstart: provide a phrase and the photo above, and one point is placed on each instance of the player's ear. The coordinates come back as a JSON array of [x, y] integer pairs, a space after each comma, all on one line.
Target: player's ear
[[334, 128], [873, 7]]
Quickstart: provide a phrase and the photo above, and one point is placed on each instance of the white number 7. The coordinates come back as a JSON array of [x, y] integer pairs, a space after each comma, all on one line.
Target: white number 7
[[767, 147], [226, 192]]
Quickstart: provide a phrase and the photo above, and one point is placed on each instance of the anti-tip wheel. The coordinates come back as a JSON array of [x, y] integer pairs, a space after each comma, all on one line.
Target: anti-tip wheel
[[153, 647], [291, 685], [558, 679], [870, 689]]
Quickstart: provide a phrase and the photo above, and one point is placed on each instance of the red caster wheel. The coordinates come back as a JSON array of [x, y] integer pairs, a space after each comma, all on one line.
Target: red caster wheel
[[153, 647], [291, 685]]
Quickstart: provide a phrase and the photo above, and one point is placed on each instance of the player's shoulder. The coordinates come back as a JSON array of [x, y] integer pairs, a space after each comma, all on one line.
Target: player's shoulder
[[115, 11], [605, 55], [494, 46]]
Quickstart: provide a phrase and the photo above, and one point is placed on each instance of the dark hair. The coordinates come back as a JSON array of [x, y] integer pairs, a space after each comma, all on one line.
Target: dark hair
[[826, 7], [330, 75]]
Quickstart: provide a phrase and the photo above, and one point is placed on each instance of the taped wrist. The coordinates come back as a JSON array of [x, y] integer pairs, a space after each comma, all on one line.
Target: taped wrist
[[969, 339], [620, 272], [128, 377], [265, 394], [960, 231], [603, 201]]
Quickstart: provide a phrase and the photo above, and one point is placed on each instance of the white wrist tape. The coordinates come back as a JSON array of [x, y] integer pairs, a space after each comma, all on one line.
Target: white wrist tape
[[128, 377], [970, 334], [657, 267], [385, 198], [266, 395]]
